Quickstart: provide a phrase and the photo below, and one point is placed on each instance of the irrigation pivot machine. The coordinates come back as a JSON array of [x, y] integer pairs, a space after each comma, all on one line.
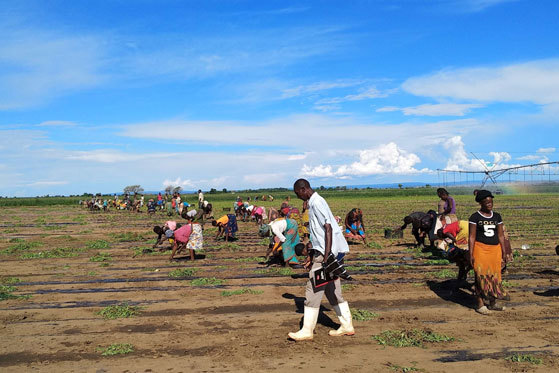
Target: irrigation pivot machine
[[530, 173]]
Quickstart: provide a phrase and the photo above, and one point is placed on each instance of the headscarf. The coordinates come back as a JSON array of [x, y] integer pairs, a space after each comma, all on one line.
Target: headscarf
[[483, 194]]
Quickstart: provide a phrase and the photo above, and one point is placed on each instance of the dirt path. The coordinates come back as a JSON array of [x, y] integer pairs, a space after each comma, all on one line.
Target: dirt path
[[185, 328]]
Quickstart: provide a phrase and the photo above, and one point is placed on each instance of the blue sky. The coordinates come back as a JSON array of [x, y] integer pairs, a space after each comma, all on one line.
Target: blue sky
[[95, 96]]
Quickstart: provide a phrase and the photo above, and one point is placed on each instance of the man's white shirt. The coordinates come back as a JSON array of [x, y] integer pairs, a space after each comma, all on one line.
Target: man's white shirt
[[320, 214]]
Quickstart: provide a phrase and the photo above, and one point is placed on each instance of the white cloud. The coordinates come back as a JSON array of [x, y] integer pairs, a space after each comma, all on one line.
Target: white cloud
[[387, 109], [298, 157], [546, 150], [369, 93], [533, 157], [448, 109], [535, 81], [182, 57], [38, 65], [56, 123], [318, 87], [46, 183], [317, 171], [460, 161], [327, 132], [178, 182], [385, 159], [433, 110], [264, 178], [113, 156]]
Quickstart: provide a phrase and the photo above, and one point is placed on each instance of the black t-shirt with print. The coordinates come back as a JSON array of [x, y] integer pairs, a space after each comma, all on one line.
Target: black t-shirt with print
[[486, 227]]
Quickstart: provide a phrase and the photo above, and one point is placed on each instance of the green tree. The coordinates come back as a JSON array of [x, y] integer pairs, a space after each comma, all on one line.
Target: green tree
[[133, 189]]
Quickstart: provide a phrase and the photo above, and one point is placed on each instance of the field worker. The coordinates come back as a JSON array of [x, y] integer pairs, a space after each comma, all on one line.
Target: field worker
[[181, 236], [326, 237], [258, 213], [354, 228], [285, 235], [196, 239], [421, 225], [487, 248], [200, 199], [447, 205], [226, 226], [180, 206]]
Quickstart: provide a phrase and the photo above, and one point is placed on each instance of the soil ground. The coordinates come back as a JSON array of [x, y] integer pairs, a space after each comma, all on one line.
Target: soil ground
[[186, 328]]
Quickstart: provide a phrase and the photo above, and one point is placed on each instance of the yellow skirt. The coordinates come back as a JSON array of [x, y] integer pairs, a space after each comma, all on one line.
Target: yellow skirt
[[487, 267]]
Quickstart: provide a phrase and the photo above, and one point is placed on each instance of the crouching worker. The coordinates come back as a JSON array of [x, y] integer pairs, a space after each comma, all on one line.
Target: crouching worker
[[162, 232], [327, 238], [421, 225], [182, 237], [354, 229], [226, 226], [285, 236]]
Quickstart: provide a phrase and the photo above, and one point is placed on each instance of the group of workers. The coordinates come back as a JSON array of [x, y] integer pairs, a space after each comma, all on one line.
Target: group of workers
[[480, 243], [175, 205], [118, 203]]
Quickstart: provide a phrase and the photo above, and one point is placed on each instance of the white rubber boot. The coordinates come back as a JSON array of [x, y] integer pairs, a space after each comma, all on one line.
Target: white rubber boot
[[309, 322], [344, 315]]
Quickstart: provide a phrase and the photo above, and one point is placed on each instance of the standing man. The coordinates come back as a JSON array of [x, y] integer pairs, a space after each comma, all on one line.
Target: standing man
[[326, 238], [200, 199]]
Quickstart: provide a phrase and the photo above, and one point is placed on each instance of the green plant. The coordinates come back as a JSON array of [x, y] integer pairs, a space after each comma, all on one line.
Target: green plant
[[228, 246], [67, 237], [348, 287], [91, 273], [444, 273], [362, 315], [128, 236], [116, 349], [508, 284], [97, 244], [183, 272], [20, 246], [6, 293], [101, 257], [276, 271], [206, 281], [368, 256], [359, 268], [409, 338], [520, 358], [247, 260], [59, 252], [373, 245], [437, 262], [518, 256], [52, 227], [228, 293], [9, 280], [104, 264], [123, 310]]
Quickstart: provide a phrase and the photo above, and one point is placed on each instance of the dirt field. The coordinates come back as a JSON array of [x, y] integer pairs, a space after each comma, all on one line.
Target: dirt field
[[181, 327]]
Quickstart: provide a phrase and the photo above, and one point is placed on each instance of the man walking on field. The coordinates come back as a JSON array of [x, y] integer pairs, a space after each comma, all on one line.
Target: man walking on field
[[326, 237]]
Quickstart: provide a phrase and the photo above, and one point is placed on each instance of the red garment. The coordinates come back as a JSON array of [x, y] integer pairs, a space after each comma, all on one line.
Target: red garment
[[452, 228]]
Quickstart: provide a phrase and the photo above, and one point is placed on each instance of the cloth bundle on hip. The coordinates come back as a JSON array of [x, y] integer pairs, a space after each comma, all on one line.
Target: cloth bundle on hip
[[335, 268]]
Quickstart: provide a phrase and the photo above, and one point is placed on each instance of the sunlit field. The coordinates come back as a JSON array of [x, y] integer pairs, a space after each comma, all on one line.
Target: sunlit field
[[81, 293]]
